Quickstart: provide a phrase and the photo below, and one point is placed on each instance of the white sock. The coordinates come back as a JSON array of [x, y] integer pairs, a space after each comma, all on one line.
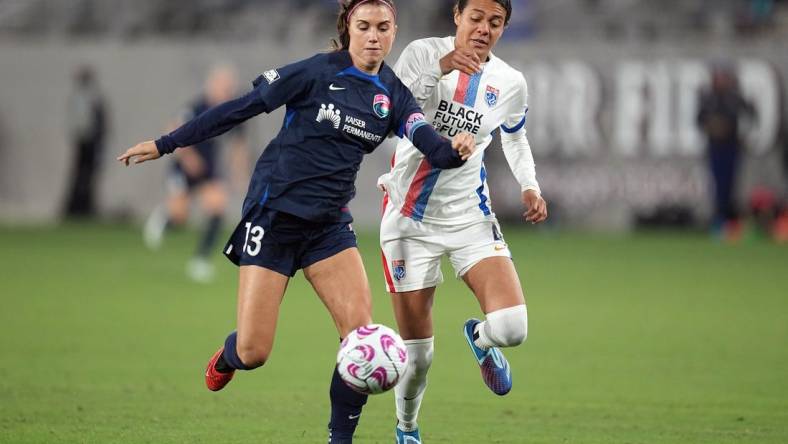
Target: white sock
[[410, 389], [507, 327]]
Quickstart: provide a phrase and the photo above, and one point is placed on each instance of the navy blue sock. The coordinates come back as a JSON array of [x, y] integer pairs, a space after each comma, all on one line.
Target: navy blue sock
[[230, 355], [346, 405], [209, 236]]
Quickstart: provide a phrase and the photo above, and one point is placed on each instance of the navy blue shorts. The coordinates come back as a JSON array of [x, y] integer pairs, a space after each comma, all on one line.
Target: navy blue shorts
[[285, 243]]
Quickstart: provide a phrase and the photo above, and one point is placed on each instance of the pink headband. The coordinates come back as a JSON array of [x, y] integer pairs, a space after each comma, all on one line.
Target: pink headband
[[363, 2]]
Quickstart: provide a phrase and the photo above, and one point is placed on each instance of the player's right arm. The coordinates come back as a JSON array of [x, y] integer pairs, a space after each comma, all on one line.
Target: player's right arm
[[271, 90], [420, 67], [187, 158]]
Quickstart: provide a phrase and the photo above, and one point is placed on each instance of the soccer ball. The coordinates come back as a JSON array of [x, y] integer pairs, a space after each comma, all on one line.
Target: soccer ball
[[372, 358]]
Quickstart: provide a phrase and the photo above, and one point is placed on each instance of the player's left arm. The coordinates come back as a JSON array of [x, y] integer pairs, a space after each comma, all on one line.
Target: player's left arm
[[408, 122], [520, 158]]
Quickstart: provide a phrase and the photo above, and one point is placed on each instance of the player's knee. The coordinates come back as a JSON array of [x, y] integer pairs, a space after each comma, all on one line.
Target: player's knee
[[252, 356], [508, 327], [419, 355]]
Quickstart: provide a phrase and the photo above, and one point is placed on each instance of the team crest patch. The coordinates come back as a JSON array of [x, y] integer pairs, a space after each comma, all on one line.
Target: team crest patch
[[381, 105], [491, 96], [271, 76], [398, 268]]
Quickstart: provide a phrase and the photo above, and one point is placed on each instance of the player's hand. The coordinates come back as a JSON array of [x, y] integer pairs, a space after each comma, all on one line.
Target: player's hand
[[142, 152], [535, 206], [463, 60], [464, 144]]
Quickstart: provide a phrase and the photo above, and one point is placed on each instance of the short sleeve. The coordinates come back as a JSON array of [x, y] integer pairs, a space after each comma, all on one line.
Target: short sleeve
[[284, 85]]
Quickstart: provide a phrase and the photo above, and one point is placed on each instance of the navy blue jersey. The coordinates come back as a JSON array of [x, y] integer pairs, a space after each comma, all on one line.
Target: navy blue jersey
[[334, 115], [208, 149]]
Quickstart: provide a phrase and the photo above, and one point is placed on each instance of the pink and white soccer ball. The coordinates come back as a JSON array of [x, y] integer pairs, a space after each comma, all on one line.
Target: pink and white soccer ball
[[372, 358]]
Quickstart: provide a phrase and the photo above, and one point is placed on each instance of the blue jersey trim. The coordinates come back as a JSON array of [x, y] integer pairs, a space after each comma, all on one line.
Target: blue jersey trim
[[289, 117], [516, 127], [265, 196], [355, 72], [413, 128], [480, 191]]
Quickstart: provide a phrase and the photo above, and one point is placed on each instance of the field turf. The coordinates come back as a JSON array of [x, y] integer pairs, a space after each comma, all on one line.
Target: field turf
[[653, 338]]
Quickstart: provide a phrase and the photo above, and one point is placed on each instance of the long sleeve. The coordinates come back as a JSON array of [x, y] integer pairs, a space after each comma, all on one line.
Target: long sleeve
[[520, 158], [436, 148], [419, 69], [408, 121], [272, 89], [515, 144], [214, 122]]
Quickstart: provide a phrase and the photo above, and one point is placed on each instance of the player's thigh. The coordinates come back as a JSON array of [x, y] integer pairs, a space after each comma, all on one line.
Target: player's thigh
[[411, 253], [495, 283], [213, 197], [413, 312], [260, 293], [341, 283], [481, 257]]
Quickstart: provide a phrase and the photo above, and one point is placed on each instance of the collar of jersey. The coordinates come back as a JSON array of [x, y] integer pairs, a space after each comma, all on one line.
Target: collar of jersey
[[352, 71]]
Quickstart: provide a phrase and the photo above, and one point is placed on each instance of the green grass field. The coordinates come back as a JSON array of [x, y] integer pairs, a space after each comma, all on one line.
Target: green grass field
[[654, 338]]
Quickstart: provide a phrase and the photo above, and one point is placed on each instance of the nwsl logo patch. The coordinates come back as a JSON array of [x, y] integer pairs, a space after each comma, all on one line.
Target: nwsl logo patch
[[271, 76], [381, 105], [491, 96], [398, 269]]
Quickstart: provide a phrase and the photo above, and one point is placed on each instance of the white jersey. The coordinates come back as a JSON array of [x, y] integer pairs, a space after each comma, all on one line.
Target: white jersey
[[454, 103]]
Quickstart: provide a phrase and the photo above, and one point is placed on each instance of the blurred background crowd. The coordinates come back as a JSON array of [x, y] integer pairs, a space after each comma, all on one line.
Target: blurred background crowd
[[642, 113], [278, 19]]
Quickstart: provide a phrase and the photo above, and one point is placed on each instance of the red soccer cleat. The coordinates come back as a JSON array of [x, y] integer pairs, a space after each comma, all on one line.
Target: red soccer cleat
[[214, 379]]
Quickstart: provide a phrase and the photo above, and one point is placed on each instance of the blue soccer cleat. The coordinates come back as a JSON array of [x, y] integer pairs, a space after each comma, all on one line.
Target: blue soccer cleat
[[407, 437], [494, 366]]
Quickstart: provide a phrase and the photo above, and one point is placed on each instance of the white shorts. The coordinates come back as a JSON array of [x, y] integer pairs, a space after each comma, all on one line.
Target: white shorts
[[412, 250]]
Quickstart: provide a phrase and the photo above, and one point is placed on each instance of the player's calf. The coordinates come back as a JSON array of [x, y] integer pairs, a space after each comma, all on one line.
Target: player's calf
[[409, 392], [223, 364]]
